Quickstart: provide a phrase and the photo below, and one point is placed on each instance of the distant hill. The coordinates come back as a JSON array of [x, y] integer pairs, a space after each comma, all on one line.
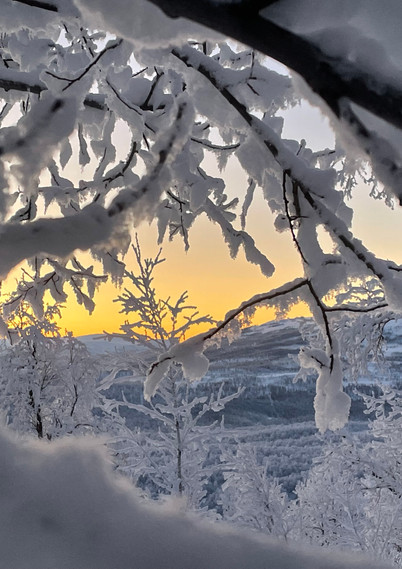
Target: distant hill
[[98, 344], [264, 354], [263, 360], [273, 414]]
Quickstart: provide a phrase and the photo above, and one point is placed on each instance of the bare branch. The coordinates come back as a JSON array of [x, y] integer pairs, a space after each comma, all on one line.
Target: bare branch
[[289, 218], [357, 309], [205, 142]]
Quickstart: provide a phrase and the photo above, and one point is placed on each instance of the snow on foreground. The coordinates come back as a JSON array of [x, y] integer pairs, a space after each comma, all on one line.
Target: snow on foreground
[[61, 507]]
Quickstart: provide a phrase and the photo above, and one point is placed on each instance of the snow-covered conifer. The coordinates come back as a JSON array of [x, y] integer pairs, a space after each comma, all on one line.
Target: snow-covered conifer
[[176, 456]]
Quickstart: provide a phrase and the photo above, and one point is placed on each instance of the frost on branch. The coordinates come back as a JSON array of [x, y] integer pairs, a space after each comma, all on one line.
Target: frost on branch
[[188, 354], [331, 404], [344, 338]]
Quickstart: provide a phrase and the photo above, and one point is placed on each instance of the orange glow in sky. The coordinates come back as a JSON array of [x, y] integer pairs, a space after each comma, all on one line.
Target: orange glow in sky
[[215, 282]]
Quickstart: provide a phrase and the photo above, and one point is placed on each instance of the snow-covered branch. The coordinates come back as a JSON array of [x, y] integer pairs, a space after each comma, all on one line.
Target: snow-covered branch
[[332, 78], [335, 77], [316, 185], [190, 353], [94, 224]]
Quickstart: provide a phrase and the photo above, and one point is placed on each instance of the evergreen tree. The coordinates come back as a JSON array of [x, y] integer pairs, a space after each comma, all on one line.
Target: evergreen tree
[[175, 456]]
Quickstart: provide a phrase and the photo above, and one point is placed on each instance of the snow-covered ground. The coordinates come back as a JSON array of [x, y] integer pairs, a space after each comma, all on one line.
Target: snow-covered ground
[[95, 520], [274, 413], [98, 344]]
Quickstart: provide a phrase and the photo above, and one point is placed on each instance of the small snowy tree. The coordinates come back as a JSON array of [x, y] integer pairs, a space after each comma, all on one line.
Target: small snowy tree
[[352, 497], [47, 381], [182, 452], [250, 498], [173, 457], [159, 323]]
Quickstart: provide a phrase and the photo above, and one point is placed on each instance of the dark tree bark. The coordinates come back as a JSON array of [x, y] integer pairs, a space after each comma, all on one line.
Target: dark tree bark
[[331, 78]]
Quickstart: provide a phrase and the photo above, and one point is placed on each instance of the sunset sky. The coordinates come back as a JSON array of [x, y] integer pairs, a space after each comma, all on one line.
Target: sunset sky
[[217, 283]]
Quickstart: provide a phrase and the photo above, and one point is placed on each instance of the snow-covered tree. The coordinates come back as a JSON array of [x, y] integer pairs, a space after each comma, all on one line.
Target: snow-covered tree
[[175, 456], [47, 382], [250, 498], [181, 453], [74, 73], [352, 497]]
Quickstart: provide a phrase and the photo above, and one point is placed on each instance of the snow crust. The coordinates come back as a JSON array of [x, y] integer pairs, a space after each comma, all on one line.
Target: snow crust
[[61, 507], [142, 23], [361, 30]]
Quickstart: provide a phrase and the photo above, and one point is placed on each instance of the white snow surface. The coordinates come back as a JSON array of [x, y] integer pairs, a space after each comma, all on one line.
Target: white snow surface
[[141, 22], [98, 344], [361, 30], [62, 507]]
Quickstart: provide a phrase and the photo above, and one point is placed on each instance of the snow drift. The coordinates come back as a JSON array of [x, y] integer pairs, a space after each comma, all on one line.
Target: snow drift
[[62, 507]]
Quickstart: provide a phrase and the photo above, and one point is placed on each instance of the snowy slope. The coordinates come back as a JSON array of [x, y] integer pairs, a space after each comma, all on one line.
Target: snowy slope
[[98, 344], [265, 354]]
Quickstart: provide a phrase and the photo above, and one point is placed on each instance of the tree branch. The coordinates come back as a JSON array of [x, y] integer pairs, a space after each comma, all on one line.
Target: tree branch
[[94, 224], [284, 290], [12, 80], [295, 168], [331, 78], [39, 4], [109, 47], [357, 309]]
